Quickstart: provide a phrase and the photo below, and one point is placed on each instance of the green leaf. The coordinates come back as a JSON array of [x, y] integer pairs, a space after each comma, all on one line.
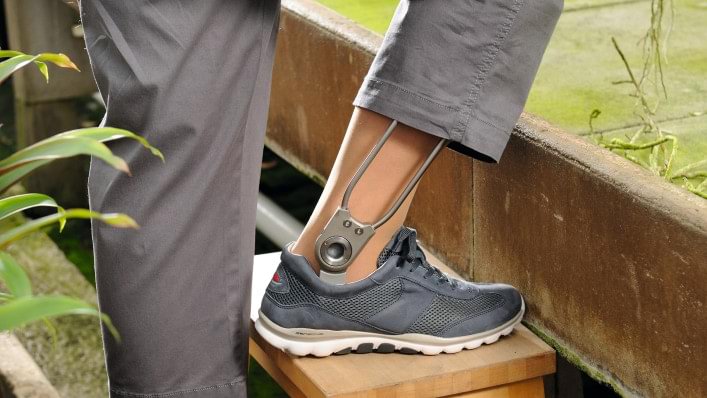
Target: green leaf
[[17, 203], [62, 220], [14, 174], [104, 134], [115, 219], [118, 220], [14, 276], [21, 311], [19, 60], [11, 177], [10, 66], [61, 148], [43, 69], [58, 59], [10, 53]]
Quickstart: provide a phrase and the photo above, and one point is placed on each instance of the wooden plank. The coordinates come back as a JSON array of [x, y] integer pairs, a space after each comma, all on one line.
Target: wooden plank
[[532, 388], [518, 357], [515, 358]]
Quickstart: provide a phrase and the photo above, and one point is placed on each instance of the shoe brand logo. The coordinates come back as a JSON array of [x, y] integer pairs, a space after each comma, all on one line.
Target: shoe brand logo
[[309, 333], [276, 278]]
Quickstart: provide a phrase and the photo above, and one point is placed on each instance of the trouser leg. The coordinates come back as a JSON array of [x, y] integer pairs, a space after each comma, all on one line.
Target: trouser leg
[[193, 77], [460, 69]]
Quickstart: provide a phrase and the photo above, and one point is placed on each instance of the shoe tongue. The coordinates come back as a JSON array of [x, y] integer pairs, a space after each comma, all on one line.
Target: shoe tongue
[[395, 245]]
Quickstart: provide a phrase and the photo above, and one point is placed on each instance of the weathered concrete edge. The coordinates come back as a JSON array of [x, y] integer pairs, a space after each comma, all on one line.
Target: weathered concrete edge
[[650, 191], [591, 368], [19, 373], [295, 162]]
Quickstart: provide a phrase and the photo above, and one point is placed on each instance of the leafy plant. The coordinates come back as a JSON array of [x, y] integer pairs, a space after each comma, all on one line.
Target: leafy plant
[[650, 145], [18, 305]]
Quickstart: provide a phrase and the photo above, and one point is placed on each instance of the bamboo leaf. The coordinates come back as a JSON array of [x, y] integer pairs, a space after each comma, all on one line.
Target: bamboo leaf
[[11, 177], [118, 220], [104, 134], [61, 148], [58, 59], [18, 312], [10, 53], [18, 203], [10, 66], [115, 219], [14, 276], [62, 220], [19, 60], [43, 69]]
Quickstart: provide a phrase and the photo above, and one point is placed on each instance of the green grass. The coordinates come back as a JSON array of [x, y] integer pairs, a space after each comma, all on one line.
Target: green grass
[[373, 14]]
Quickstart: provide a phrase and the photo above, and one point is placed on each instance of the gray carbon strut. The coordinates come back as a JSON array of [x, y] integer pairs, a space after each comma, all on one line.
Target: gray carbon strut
[[344, 236]]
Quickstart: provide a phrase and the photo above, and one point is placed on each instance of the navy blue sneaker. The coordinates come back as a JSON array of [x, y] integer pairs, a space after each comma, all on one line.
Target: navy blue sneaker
[[406, 305]]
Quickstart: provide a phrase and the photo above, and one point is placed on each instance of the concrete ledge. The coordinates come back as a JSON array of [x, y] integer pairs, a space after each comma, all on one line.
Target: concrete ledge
[[20, 377], [610, 258]]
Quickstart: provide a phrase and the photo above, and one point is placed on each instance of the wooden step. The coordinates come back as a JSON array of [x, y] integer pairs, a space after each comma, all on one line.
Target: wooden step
[[512, 367]]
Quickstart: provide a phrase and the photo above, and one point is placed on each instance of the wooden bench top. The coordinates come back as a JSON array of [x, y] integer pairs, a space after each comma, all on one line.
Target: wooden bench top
[[517, 357]]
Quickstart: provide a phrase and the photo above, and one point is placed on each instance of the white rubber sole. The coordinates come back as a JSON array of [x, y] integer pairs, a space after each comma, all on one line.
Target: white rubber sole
[[322, 343]]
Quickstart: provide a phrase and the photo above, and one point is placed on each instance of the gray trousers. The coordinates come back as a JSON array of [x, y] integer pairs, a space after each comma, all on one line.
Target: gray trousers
[[193, 77]]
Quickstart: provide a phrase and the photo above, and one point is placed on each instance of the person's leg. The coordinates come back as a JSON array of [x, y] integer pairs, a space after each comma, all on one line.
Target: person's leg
[[453, 69], [380, 186], [193, 78]]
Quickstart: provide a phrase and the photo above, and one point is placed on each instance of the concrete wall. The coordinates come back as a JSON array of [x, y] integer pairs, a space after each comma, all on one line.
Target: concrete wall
[[612, 260]]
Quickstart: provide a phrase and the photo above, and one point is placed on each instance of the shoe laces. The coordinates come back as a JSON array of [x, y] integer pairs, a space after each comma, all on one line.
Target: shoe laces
[[416, 258]]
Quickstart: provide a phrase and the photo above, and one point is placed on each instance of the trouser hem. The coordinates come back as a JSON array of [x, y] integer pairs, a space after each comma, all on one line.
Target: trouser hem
[[405, 106], [425, 114], [235, 388]]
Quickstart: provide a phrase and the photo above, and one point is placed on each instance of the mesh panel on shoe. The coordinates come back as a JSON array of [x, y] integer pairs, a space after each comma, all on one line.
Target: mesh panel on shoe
[[395, 248], [384, 256], [444, 311], [358, 308]]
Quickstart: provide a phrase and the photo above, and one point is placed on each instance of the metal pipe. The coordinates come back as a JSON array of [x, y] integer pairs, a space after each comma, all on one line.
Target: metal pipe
[[275, 223]]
